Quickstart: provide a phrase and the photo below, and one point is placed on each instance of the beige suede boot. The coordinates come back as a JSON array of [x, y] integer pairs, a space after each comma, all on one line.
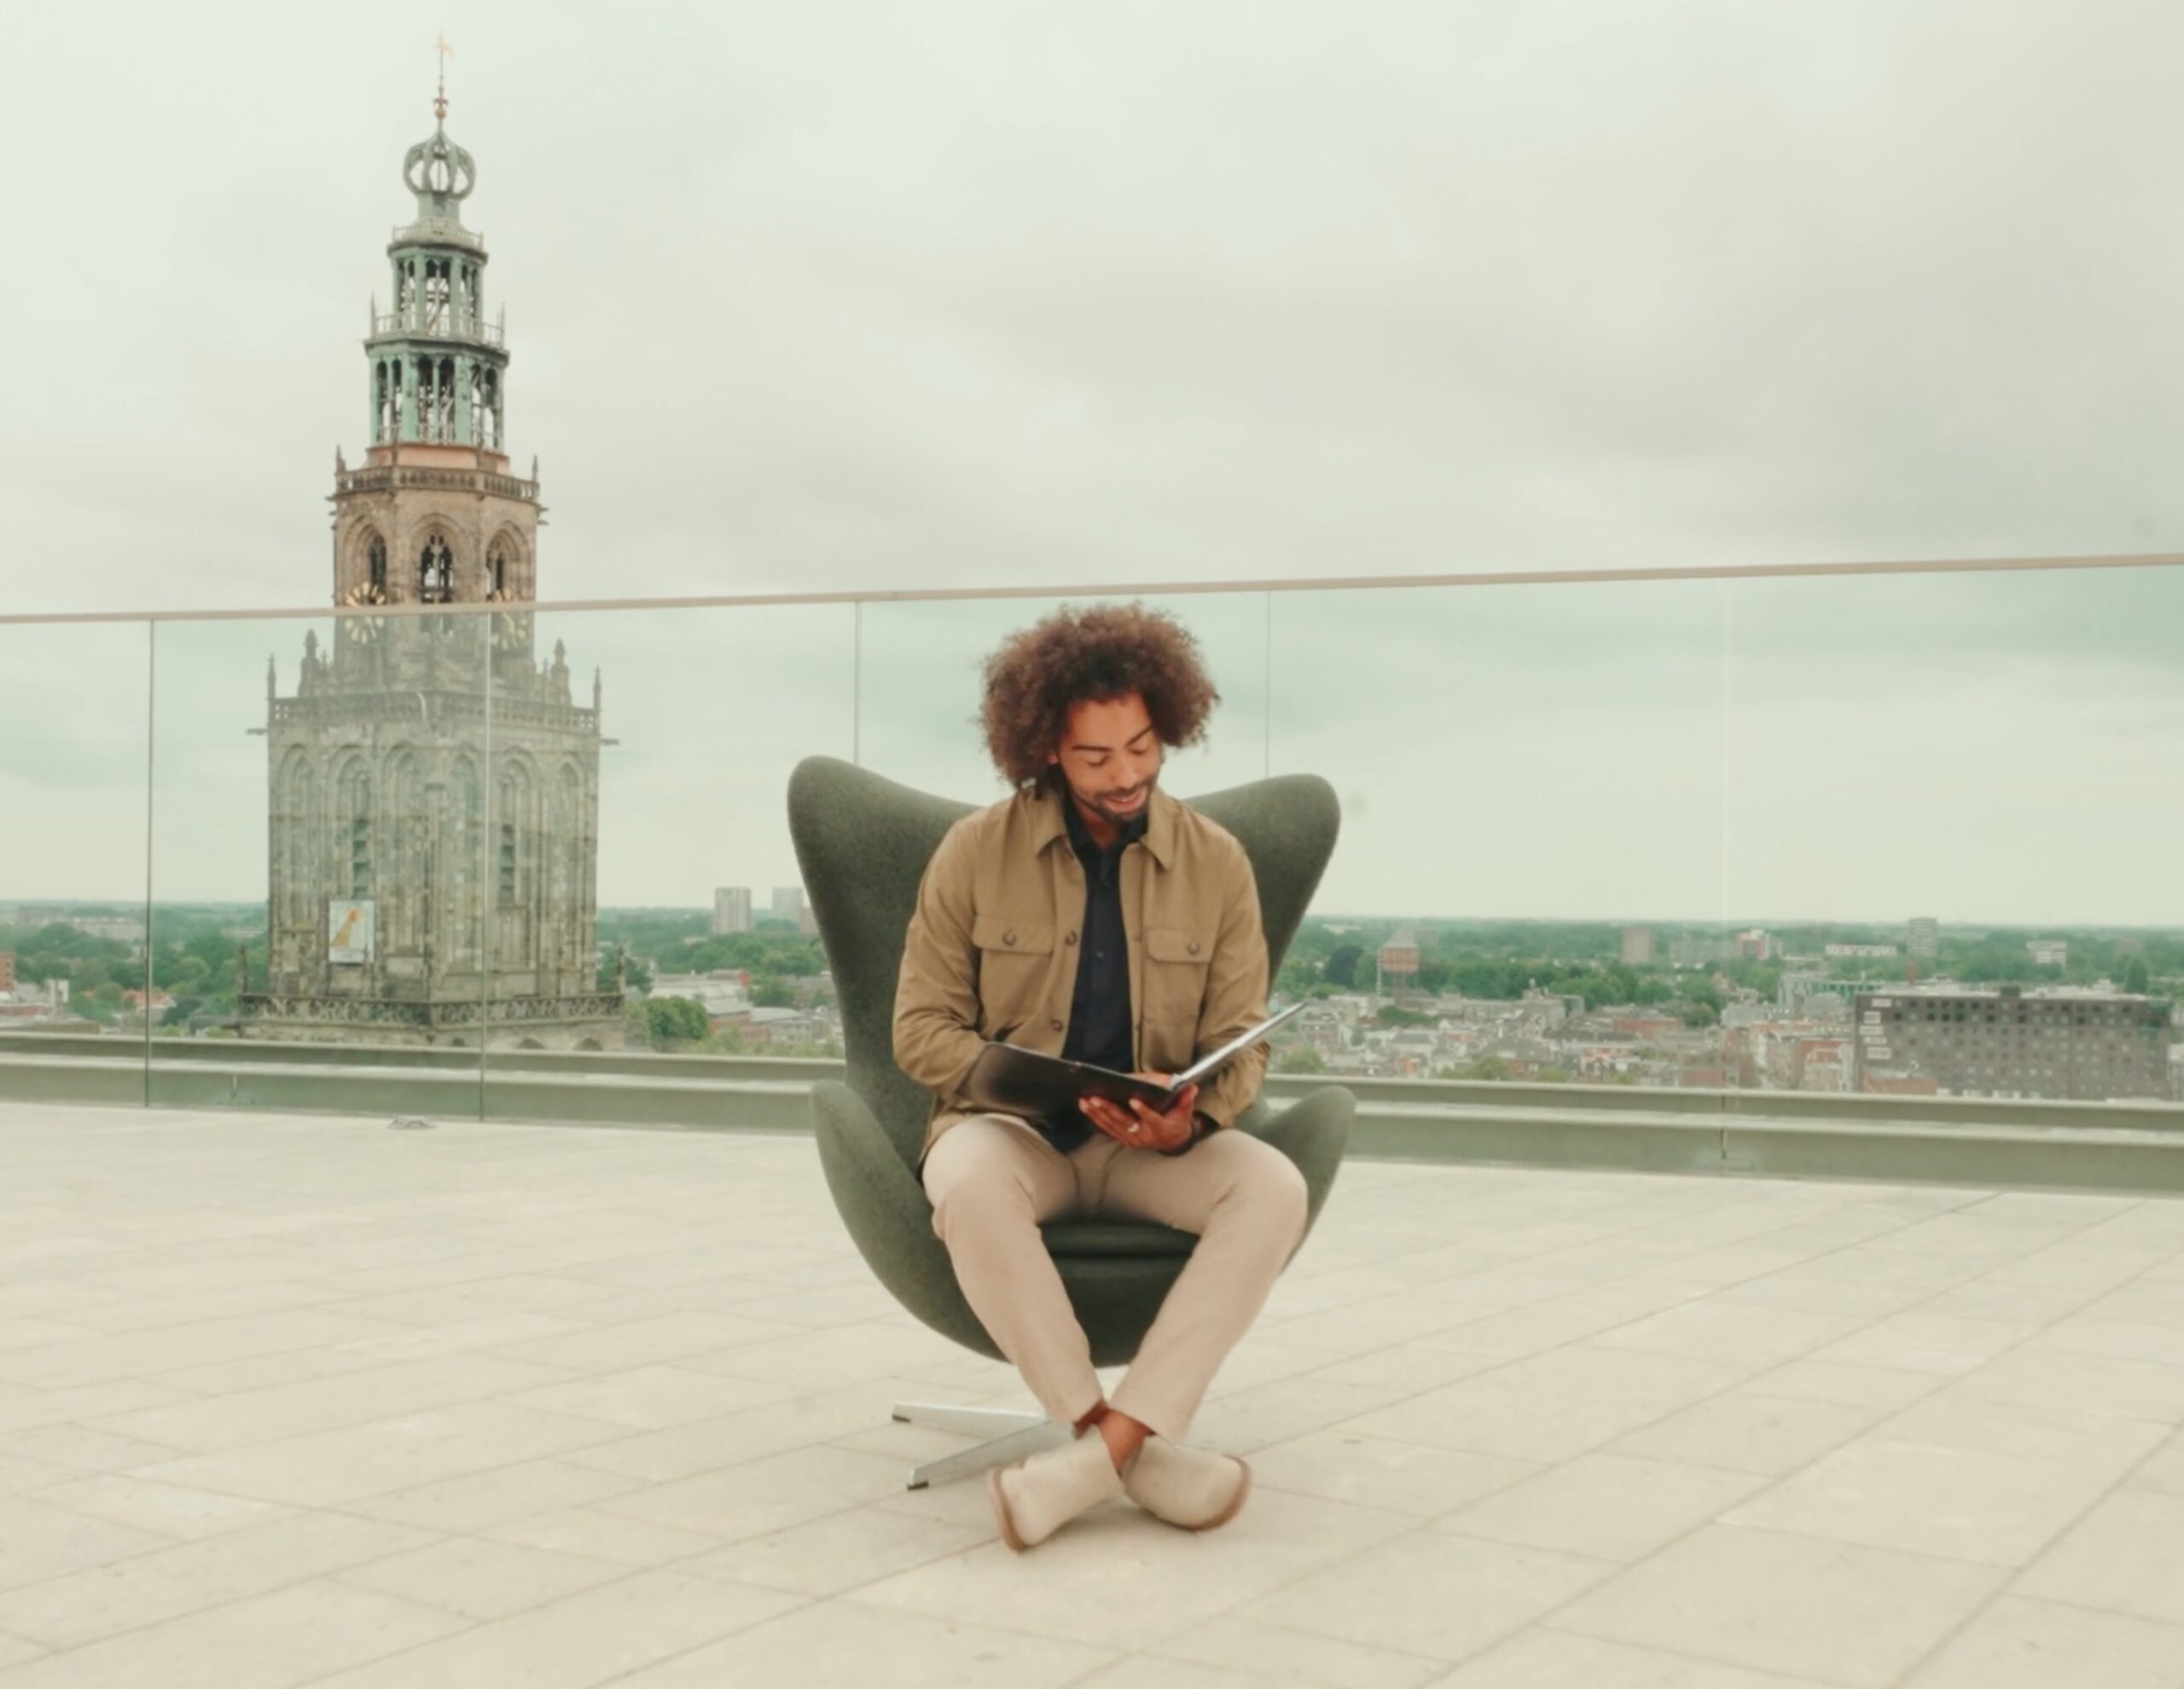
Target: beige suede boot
[[1189, 1487], [1036, 1497]]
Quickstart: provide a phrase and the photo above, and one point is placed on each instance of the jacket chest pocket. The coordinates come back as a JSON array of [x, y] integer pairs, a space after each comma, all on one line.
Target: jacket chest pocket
[[1175, 962], [1014, 957]]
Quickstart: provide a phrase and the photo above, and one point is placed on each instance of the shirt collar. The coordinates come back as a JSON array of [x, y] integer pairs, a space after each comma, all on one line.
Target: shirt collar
[[1053, 817]]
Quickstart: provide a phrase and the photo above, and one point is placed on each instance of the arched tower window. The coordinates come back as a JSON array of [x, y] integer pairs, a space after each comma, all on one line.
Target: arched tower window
[[436, 572], [375, 570], [357, 812], [496, 573], [436, 295]]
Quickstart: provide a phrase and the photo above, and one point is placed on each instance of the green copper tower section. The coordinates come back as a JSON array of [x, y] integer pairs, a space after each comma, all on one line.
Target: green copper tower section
[[438, 369]]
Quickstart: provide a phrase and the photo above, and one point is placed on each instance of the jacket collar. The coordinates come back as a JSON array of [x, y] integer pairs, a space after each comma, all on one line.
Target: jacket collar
[[1049, 824]]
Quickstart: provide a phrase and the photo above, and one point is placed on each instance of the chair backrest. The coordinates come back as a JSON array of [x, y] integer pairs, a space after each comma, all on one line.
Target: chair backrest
[[862, 842]]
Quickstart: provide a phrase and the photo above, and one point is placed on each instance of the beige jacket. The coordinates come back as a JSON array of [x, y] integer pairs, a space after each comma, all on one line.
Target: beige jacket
[[992, 953]]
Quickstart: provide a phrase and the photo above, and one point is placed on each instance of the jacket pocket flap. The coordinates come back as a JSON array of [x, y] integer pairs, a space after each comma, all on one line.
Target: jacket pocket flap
[[1011, 938], [1178, 944]]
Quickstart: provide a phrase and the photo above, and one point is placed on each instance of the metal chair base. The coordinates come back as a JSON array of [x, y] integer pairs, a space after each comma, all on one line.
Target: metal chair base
[[1010, 1435]]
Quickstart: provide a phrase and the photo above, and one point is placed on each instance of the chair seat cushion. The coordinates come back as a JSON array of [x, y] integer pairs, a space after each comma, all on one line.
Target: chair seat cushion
[[1080, 1239]]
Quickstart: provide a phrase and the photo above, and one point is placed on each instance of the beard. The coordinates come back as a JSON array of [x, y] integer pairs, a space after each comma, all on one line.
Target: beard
[[1137, 800]]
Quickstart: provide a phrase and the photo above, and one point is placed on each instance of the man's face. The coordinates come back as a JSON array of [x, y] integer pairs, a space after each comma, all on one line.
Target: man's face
[[1109, 757]]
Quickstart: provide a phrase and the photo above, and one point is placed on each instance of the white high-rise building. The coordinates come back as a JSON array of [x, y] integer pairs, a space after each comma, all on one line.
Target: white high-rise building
[[731, 910]]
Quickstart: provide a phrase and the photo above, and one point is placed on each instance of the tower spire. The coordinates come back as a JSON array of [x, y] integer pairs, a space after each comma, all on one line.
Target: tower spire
[[439, 98]]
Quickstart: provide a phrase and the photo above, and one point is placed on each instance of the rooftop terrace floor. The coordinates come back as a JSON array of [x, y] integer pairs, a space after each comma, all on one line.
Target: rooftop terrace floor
[[290, 1399]]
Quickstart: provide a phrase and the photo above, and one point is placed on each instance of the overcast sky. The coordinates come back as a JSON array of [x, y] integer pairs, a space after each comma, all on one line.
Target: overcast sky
[[820, 296]]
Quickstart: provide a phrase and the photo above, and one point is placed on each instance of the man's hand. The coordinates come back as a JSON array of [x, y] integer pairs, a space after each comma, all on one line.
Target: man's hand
[[1139, 1127]]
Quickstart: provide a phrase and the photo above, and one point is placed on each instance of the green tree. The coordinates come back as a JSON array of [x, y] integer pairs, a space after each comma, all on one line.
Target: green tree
[[2137, 977], [1302, 1058], [1487, 1067], [671, 1021], [1341, 967], [769, 992]]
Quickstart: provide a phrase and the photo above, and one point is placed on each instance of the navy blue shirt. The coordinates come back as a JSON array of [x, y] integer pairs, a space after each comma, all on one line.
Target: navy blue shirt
[[1099, 1007]]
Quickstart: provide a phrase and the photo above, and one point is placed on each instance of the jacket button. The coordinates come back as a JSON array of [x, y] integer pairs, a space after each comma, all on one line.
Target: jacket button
[[1069, 937], [1056, 1025], [1008, 937], [1192, 947]]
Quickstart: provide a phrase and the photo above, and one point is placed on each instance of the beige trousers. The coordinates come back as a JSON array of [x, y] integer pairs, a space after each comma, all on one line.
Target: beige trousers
[[993, 1180]]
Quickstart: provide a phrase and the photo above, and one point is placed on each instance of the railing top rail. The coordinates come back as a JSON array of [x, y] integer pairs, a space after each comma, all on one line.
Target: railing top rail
[[1155, 588]]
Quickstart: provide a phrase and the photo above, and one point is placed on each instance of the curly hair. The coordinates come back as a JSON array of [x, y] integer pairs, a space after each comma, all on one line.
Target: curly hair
[[1105, 652]]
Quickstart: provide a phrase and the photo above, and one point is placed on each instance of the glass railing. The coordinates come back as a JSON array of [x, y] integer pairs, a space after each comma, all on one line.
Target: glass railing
[[1904, 832]]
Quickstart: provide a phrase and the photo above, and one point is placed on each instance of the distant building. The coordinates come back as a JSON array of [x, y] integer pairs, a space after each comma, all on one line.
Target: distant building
[[1697, 949], [2048, 952], [1859, 950], [1758, 945], [1397, 962], [7, 972], [1923, 940], [2066, 1042], [731, 910], [1638, 945], [788, 904]]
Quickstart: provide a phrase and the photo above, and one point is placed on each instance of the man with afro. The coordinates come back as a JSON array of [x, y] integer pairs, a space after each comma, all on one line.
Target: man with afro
[[1092, 916]]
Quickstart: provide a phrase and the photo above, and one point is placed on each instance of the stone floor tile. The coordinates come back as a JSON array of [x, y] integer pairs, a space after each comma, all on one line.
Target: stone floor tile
[[340, 1467], [170, 1510], [13, 1651], [1732, 1334], [1119, 1578], [23, 1408], [1743, 1430], [1407, 1368], [476, 1501], [2164, 1468], [1149, 1671], [85, 1449], [1250, 1419], [650, 1398], [1551, 1406], [1513, 1333], [1798, 1606], [291, 1636], [240, 1418], [1432, 1593], [1954, 1503], [20, 1476], [1298, 1655], [598, 1635], [2087, 1383], [1853, 1386], [1546, 1659], [39, 1541], [477, 1579], [827, 1556], [756, 1498], [1918, 1341], [1604, 1506], [587, 1531], [170, 1583], [2020, 1644], [842, 1645], [1959, 1417], [1374, 1471], [2122, 1558]]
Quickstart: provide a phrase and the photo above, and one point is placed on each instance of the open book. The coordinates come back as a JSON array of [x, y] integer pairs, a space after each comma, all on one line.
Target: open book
[[1012, 1080]]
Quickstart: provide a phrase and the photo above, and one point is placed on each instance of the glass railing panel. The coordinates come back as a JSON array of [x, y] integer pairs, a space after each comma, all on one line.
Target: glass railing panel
[[1953, 805], [920, 682], [644, 911], [1529, 882], [74, 713], [317, 859]]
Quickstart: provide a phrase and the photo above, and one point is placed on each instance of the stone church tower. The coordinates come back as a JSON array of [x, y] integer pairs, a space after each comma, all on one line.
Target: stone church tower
[[434, 788]]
